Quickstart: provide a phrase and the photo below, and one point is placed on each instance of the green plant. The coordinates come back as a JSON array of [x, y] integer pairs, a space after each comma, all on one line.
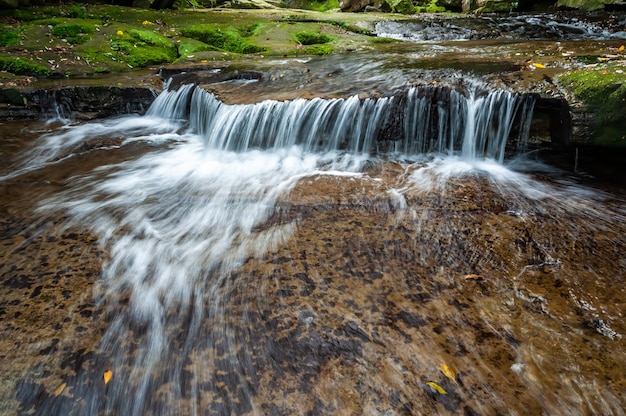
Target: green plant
[[73, 32], [20, 66], [307, 37]]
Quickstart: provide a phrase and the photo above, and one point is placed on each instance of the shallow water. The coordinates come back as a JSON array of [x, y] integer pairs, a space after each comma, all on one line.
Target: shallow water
[[299, 279]]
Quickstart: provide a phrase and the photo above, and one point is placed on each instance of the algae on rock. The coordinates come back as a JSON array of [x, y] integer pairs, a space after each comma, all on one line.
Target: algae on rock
[[602, 91]]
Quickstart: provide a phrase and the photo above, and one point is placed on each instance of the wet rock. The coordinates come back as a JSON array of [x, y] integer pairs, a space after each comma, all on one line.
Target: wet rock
[[75, 102], [590, 5], [360, 5]]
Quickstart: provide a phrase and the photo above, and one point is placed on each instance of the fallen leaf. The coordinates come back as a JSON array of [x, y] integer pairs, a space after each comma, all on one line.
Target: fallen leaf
[[621, 48], [60, 389], [437, 387], [540, 66], [448, 371], [474, 277], [107, 376]]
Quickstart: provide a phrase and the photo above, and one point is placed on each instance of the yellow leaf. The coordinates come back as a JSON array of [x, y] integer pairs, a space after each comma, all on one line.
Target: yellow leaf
[[448, 372], [437, 387], [621, 48], [107, 376], [474, 277], [540, 66], [60, 389]]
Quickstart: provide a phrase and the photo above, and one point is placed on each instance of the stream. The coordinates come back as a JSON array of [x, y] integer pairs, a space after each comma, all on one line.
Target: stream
[[355, 255]]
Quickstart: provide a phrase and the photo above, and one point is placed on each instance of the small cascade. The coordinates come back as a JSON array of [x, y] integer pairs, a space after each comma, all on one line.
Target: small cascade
[[252, 259], [420, 120]]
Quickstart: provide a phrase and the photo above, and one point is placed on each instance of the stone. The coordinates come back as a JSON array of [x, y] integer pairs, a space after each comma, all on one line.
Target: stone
[[589, 5]]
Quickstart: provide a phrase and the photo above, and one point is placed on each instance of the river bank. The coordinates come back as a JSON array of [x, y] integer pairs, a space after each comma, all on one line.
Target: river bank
[[303, 53]]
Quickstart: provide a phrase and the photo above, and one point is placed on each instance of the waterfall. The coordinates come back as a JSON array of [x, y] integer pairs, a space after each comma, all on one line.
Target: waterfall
[[180, 222], [475, 123]]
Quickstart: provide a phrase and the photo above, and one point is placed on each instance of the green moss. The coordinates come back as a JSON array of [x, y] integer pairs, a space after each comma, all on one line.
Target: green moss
[[77, 11], [8, 37], [74, 33], [318, 49], [602, 91], [384, 40], [228, 39], [140, 48], [20, 66], [588, 5], [189, 46], [323, 6], [307, 37]]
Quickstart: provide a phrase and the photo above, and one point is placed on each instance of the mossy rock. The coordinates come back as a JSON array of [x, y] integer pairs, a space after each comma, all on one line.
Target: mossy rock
[[188, 46], [496, 6], [320, 6], [603, 92], [12, 96], [589, 5], [141, 48], [74, 33]]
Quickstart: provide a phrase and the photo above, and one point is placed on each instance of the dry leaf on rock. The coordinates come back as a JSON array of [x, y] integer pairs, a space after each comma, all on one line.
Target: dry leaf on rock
[[448, 371], [107, 376], [436, 387], [60, 389]]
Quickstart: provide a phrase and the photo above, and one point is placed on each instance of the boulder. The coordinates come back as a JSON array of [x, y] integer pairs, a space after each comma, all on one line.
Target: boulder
[[590, 5]]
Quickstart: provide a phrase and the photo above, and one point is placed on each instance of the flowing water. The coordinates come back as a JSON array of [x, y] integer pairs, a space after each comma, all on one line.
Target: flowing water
[[280, 258]]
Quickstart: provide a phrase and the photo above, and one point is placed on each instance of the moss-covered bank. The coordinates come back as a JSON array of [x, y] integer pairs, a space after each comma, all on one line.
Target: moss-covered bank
[[102, 38], [602, 91]]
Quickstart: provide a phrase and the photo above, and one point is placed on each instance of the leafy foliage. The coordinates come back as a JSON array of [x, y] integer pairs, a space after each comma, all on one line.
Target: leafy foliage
[[20, 66]]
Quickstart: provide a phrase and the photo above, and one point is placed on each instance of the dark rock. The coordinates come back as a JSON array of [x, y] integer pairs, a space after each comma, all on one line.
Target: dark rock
[[71, 102]]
